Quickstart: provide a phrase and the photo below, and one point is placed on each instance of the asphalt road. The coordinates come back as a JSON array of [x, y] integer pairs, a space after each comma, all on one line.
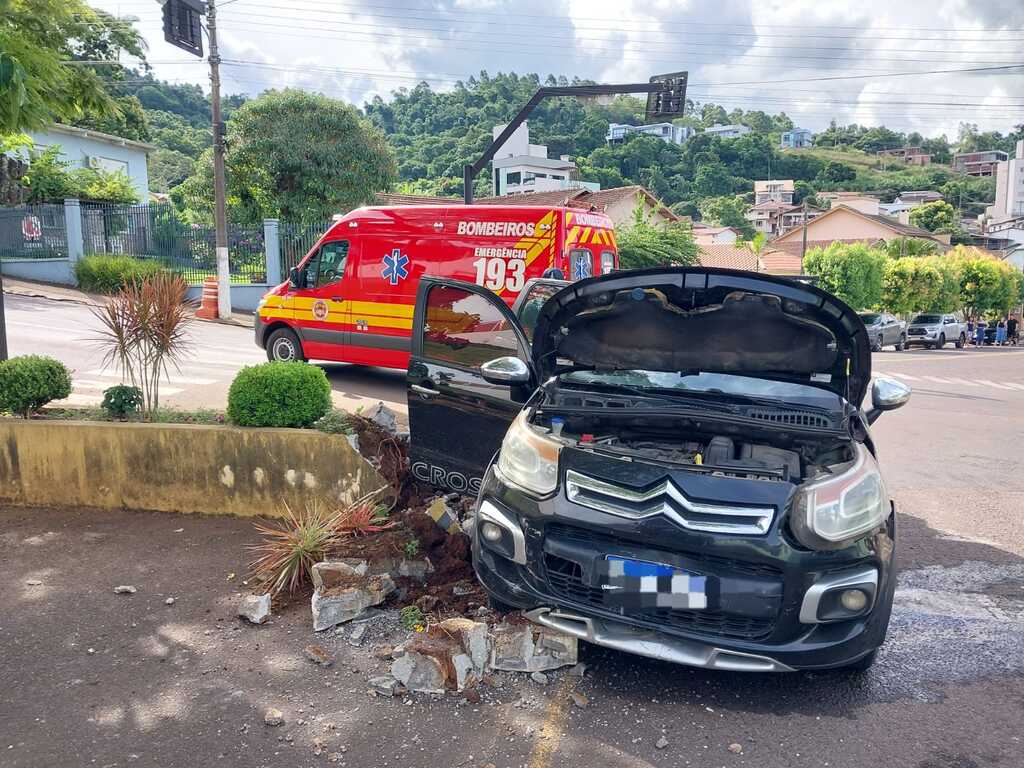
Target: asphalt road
[[185, 685]]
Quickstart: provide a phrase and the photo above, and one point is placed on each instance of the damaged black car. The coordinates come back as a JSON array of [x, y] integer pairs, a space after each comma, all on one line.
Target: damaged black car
[[670, 462]]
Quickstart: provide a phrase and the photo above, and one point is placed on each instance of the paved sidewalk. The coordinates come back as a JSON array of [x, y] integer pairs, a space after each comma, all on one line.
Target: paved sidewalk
[[17, 287]]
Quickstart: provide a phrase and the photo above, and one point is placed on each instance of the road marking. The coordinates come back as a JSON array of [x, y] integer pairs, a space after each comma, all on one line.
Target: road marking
[[77, 399], [965, 382], [988, 383], [102, 385], [554, 723], [171, 379], [1015, 386], [906, 376], [939, 379]]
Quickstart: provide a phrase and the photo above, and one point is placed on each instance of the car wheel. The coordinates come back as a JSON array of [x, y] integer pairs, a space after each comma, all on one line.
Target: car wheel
[[876, 344], [283, 346], [941, 342], [863, 664], [961, 341], [902, 343]]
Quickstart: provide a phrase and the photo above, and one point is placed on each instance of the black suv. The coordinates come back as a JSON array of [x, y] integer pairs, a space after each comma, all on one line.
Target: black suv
[[671, 462]]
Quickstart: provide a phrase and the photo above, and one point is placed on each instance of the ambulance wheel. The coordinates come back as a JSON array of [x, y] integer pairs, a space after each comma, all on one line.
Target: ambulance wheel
[[283, 346]]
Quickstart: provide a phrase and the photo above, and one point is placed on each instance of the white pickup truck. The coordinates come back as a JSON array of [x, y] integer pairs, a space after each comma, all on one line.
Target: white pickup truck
[[935, 330]]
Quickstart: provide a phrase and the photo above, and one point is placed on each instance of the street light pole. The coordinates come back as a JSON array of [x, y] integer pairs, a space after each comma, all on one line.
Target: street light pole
[[220, 211], [3, 323]]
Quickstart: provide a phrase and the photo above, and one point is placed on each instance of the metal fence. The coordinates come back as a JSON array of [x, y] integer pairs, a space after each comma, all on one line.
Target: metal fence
[[33, 232], [155, 231], [297, 239]]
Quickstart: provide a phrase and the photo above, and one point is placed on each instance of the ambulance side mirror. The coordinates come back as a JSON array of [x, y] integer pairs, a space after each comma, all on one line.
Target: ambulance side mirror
[[296, 277]]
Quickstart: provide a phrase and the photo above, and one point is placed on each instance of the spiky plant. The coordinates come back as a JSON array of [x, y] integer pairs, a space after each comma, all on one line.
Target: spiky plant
[[362, 518], [292, 546]]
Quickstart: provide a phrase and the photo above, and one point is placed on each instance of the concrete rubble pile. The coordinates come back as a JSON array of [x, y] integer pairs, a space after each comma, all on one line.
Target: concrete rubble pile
[[344, 589]]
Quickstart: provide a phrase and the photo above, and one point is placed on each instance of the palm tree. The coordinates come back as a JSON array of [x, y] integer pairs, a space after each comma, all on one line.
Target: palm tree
[[756, 245]]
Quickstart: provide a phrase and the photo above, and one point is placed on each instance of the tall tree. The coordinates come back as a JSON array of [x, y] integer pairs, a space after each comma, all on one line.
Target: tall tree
[[296, 156], [851, 271], [44, 45]]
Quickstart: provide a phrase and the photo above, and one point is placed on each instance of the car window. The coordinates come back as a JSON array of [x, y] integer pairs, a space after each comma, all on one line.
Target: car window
[[465, 328], [870, 318], [607, 262], [927, 319], [331, 261], [529, 310]]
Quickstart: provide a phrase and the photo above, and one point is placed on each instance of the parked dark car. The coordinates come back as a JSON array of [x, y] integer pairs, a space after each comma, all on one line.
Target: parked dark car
[[885, 330], [677, 465]]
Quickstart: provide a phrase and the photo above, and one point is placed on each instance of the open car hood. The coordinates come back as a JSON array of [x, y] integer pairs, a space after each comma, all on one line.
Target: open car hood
[[694, 319]]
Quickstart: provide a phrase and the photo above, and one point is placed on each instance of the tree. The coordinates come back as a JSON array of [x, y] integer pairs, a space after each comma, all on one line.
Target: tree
[[834, 173], [851, 271], [51, 180], [912, 285], [987, 285], [37, 39], [938, 216], [911, 246], [295, 156], [644, 244], [876, 139], [727, 212]]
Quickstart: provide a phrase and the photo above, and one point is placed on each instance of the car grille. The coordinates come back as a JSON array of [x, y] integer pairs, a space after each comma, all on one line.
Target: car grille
[[565, 580], [916, 332], [665, 499]]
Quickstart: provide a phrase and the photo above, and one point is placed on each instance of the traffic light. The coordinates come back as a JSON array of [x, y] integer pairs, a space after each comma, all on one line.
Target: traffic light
[[182, 26], [669, 101]]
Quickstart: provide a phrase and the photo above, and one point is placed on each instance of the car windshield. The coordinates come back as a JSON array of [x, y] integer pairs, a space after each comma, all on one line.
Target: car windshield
[[870, 318], [928, 319], [716, 383]]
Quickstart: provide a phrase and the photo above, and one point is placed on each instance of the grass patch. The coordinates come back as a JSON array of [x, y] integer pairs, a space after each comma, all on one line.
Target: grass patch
[[161, 416]]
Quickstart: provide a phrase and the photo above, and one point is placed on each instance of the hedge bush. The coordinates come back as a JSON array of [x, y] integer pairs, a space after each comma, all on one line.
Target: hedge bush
[[279, 395], [99, 273], [121, 400], [29, 382]]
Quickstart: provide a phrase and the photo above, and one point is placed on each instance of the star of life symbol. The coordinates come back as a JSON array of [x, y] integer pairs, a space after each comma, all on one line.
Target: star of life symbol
[[396, 267], [581, 268]]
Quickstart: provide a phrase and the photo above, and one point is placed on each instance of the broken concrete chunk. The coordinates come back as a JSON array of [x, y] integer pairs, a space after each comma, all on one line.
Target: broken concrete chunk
[[446, 518], [539, 678], [125, 589], [383, 417], [337, 573], [472, 637], [336, 606], [273, 717], [523, 647], [385, 685], [419, 672], [416, 569], [255, 608], [465, 673]]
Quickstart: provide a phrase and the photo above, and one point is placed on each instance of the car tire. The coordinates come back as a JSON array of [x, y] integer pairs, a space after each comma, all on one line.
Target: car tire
[[902, 343], [284, 346], [941, 342], [961, 341], [863, 664]]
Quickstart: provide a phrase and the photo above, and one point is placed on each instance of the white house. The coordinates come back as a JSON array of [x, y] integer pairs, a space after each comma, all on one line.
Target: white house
[[667, 132], [1009, 202], [520, 167], [85, 148], [798, 138], [727, 131]]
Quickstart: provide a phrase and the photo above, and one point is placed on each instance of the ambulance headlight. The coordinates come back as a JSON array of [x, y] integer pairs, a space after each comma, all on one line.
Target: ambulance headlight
[[529, 459]]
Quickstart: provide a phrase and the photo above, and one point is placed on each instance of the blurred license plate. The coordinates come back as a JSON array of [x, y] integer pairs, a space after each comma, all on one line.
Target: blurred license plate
[[638, 583]]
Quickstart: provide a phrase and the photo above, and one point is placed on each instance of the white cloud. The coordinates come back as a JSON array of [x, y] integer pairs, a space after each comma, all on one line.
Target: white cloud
[[353, 49]]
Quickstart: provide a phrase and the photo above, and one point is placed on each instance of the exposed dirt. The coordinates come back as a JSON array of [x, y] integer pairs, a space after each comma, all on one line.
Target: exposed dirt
[[382, 449]]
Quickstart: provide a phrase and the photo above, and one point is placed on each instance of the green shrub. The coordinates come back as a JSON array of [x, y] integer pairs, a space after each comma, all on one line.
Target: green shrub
[[279, 395], [99, 273], [121, 400], [335, 422], [29, 382]]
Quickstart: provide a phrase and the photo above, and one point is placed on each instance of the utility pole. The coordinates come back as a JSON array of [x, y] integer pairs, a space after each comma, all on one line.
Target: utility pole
[[3, 323], [803, 244], [220, 218]]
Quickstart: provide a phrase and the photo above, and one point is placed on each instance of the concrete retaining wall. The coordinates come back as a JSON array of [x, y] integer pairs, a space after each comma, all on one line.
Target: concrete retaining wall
[[58, 271], [177, 467]]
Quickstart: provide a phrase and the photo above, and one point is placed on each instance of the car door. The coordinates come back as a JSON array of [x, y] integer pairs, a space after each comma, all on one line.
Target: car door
[[457, 419], [891, 332], [321, 306], [533, 296]]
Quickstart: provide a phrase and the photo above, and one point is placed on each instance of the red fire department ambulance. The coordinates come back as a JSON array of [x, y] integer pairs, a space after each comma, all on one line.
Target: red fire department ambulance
[[351, 299]]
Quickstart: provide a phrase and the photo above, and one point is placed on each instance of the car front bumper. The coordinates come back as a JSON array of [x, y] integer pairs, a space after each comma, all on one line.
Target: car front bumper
[[759, 587]]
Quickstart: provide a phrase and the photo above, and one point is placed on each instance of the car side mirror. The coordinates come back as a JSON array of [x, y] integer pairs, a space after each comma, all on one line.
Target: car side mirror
[[887, 395], [505, 370], [297, 277]]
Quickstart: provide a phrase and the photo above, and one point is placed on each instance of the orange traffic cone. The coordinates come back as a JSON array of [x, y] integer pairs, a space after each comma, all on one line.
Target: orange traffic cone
[[208, 309]]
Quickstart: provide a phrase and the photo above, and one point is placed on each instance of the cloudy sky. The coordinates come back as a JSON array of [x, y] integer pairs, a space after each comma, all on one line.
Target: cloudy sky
[[813, 59]]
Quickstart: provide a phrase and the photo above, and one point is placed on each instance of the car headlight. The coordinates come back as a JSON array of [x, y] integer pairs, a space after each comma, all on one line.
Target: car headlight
[[829, 513], [529, 459]]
